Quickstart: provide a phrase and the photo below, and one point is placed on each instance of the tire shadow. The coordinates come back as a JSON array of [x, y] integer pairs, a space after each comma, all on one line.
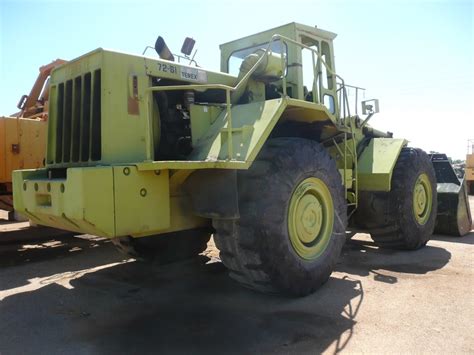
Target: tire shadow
[[362, 257]]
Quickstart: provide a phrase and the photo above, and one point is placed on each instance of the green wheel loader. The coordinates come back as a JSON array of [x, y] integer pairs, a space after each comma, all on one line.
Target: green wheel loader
[[269, 155]]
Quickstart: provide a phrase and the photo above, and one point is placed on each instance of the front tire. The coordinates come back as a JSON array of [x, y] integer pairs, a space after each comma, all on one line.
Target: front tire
[[403, 218], [292, 220]]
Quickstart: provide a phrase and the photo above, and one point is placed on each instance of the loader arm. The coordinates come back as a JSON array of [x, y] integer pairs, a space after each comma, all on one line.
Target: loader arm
[[36, 102]]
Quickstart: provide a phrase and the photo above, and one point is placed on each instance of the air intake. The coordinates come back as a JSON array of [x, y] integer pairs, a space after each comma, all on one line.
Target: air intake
[[78, 121]]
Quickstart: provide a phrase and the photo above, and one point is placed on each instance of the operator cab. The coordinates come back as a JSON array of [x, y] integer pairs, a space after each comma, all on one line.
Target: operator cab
[[307, 77]]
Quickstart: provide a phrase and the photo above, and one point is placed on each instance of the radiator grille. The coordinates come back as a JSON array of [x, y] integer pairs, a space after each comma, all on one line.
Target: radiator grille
[[78, 121]]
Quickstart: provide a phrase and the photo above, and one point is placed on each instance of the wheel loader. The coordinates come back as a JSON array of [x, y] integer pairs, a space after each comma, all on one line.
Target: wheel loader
[[268, 155]]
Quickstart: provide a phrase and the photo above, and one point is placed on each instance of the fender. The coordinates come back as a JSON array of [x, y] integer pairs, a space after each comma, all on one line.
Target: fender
[[376, 163], [213, 193]]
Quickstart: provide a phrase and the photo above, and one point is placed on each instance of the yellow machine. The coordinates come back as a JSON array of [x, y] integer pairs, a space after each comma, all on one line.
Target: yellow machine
[[469, 170], [23, 135]]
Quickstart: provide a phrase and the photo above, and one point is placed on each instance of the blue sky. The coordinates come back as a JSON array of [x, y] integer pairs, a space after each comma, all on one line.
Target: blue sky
[[416, 57]]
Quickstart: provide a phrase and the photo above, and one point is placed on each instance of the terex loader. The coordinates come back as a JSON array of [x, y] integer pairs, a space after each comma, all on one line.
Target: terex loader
[[267, 155]]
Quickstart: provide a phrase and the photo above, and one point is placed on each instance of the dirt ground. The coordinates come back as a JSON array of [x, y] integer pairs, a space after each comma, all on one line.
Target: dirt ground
[[77, 295]]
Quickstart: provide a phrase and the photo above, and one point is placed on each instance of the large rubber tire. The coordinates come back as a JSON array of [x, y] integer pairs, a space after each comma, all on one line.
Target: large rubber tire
[[257, 248], [390, 217], [165, 248]]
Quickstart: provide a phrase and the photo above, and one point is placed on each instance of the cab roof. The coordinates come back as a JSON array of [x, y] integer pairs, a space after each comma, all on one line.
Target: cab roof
[[289, 27]]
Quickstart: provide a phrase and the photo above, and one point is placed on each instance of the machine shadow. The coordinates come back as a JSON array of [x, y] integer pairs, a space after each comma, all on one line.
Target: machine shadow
[[102, 304], [188, 307], [5, 221], [59, 254], [362, 257]]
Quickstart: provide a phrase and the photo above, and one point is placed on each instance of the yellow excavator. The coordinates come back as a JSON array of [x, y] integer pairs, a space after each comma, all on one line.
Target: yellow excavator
[[23, 135]]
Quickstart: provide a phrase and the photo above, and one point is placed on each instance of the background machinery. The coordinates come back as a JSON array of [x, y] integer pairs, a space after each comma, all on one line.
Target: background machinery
[[469, 168], [267, 155], [23, 135]]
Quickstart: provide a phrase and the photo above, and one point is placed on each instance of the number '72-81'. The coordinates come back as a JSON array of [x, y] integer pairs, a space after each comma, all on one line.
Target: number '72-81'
[[167, 68]]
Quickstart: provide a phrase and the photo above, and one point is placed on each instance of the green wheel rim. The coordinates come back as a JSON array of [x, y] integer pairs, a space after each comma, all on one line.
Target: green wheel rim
[[422, 199], [310, 218]]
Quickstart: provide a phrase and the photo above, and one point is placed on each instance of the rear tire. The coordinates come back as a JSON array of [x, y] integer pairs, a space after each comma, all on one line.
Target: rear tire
[[403, 218], [166, 248], [292, 220]]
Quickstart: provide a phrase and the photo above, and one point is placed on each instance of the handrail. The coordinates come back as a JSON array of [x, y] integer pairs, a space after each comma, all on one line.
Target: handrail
[[284, 39], [197, 87], [356, 99], [245, 78], [247, 75]]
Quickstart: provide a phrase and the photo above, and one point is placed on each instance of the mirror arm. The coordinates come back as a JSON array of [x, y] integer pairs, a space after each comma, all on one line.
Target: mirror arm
[[367, 119]]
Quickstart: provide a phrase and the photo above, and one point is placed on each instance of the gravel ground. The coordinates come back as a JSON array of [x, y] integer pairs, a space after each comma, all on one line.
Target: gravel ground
[[77, 295]]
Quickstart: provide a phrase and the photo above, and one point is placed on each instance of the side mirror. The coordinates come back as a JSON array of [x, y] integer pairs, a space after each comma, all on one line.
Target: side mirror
[[188, 46], [370, 106]]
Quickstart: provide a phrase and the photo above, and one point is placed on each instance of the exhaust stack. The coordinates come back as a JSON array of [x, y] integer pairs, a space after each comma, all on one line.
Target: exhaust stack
[[162, 49]]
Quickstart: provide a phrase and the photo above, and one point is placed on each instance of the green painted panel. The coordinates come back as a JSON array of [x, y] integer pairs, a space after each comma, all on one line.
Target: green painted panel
[[83, 202], [142, 201], [376, 164], [251, 125], [105, 201], [202, 117]]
